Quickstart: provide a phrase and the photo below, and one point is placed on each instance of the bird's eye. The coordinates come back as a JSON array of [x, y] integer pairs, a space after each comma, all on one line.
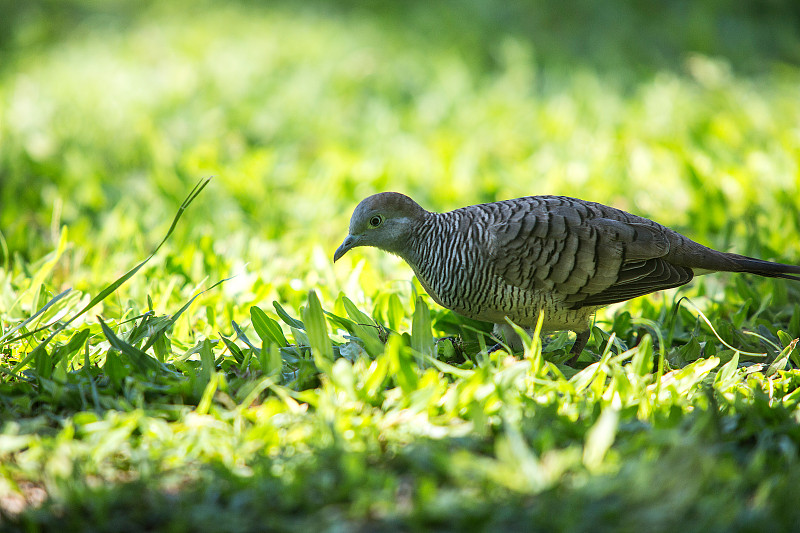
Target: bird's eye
[[375, 221]]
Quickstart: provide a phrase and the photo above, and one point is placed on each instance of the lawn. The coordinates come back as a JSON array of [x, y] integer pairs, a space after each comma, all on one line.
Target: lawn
[[178, 351]]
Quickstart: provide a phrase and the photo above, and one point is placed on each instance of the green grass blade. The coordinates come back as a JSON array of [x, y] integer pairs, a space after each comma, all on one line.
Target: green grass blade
[[714, 331], [236, 352], [140, 359], [110, 289], [600, 437], [726, 375], [21, 325], [363, 327], [240, 335], [207, 366], [421, 334], [291, 321], [267, 329], [317, 331], [642, 362], [208, 394], [174, 318], [781, 360]]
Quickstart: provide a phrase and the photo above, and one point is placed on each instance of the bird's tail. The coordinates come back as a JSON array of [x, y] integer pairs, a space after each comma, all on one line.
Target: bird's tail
[[704, 260], [763, 268]]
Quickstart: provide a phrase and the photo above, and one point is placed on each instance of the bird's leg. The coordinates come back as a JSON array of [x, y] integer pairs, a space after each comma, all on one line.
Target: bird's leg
[[508, 338], [492, 349], [581, 339]]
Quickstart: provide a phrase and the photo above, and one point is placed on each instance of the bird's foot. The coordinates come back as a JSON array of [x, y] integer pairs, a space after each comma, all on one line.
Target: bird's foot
[[454, 352]]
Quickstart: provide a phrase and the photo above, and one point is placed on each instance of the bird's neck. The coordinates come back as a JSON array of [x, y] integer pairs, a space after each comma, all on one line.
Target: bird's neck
[[416, 249]]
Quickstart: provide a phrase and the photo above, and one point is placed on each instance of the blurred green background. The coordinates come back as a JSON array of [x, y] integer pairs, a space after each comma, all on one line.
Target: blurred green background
[[686, 112]]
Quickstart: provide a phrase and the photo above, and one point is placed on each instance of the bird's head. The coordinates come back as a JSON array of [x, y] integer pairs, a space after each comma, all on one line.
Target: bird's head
[[384, 220]]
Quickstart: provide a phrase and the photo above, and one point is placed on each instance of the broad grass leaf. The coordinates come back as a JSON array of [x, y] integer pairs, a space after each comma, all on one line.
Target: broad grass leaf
[[140, 359], [600, 438], [395, 311], [421, 334], [782, 359], [726, 375], [270, 359], [241, 335], [403, 366], [207, 366], [317, 331], [267, 329], [236, 352], [114, 368], [212, 384], [291, 321], [376, 375], [642, 362], [363, 327]]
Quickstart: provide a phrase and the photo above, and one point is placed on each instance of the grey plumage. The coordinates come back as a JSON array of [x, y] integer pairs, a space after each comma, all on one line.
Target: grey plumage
[[515, 258]]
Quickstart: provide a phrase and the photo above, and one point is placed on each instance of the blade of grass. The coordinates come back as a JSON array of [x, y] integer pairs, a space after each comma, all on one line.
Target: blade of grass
[[293, 322], [714, 331], [174, 318], [21, 325], [421, 334], [236, 352], [780, 361], [662, 354], [207, 366], [317, 330], [110, 289], [140, 359], [267, 329], [240, 335], [363, 327]]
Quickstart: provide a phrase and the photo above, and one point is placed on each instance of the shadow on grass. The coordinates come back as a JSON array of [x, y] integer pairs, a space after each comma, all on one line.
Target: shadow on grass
[[686, 478], [680, 491]]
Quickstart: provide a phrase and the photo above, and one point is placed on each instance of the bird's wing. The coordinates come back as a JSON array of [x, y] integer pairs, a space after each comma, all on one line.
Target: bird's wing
[[586, 259]]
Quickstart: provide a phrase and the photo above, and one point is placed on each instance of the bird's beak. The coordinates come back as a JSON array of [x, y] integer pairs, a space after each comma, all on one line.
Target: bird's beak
[[348, 243]]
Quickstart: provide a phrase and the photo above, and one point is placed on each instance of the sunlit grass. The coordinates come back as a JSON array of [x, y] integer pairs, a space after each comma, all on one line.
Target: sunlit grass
[[238, 380]]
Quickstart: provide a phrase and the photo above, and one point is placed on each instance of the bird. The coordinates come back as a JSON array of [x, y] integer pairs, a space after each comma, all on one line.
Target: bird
[[556, 255]]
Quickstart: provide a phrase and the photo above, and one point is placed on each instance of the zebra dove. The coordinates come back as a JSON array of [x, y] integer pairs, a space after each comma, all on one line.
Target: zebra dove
[[553, 254]]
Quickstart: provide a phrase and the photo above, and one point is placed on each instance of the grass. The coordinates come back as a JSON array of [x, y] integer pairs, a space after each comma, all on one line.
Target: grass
[[235, 380]]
